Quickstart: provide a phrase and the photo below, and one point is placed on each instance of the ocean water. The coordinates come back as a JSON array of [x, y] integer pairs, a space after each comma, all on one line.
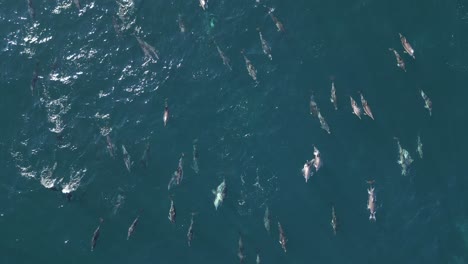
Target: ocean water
[[73, 78]]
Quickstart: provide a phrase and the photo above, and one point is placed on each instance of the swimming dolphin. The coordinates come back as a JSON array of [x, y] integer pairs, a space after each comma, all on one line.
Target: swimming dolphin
[[419, 148], [427, 102], [333, 95], [127, 158], [172, 212], [371, 202], [399, 59], [31, 11], [166, 112], [145, 156], [356, 109], [278, 24], [220, 194], [323, 123], [132, 227], [77, 4], [407, 46], [333, 222], [306, 170], [250, 68], [223, 56], [240, 251], [317, 160], [110, 146], [366, 107], [35, 78], [282, 237], [266, 219], [204, 4], [190, 231], [96, 235], [404, 158], [149, 51], [265, 47], [195, 166], [178, 175], [314, 110], [181, 24]]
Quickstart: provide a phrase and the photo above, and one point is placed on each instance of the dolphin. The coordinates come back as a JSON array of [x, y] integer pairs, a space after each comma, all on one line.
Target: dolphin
[[407, 46]]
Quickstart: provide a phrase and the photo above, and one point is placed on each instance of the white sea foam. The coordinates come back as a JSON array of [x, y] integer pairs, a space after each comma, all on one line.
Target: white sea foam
[[75, 180], [47, 179]]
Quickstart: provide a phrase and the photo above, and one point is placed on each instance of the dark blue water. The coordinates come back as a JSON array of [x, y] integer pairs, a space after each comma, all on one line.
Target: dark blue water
[[71, 78]]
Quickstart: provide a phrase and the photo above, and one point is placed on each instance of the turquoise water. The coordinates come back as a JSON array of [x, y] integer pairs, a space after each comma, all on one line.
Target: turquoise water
[[94, 80]]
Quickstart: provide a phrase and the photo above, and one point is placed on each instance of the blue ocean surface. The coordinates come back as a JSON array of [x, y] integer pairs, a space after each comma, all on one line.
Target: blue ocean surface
[[85, 86]]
